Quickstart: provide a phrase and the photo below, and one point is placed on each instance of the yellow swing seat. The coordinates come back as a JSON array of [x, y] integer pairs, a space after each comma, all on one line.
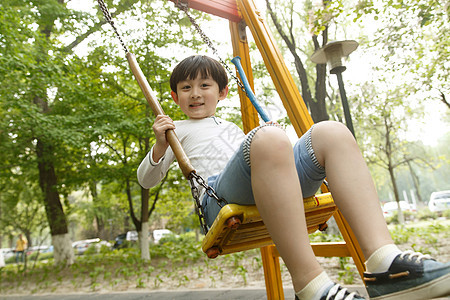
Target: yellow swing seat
[[240, 227]]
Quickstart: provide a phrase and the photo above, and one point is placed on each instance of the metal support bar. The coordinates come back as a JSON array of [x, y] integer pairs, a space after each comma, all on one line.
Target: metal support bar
[[348, 117]]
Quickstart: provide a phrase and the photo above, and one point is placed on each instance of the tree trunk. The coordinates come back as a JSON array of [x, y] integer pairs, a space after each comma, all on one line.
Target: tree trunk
[[145, 254], [143, 241], [48, 183], [136, 222], [62, 249], [99, 223], [415, 179], [390, 167], [401, 219], [316, 105]]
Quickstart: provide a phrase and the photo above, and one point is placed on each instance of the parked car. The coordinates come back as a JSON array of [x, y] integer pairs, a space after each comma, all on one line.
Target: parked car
[[119, 241], [158, 234], [41, 249], [390, 208], [7, 252], [439, 201], [81, 246], [130, 236], [2, 260]]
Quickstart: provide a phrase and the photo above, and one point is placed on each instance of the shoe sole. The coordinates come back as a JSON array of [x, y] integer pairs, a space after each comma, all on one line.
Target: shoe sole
[[439, 287]]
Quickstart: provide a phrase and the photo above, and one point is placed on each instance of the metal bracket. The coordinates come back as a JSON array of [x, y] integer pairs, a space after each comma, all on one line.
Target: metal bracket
[[242, 32]]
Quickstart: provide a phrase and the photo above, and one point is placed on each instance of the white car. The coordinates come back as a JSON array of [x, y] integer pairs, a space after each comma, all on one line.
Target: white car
[[7, 252], [2, 260], [439, 201], [81, 246], [390, 208], [158, 234]]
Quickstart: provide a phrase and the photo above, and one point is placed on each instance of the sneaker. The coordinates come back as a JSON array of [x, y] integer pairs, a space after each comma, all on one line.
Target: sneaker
[[411, 276], [337, 292]]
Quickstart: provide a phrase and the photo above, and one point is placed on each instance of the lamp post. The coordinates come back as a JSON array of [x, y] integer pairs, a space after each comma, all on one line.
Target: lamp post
[[332, 54]]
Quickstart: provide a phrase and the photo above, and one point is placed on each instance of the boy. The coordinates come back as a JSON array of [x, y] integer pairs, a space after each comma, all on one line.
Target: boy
[[263, 168]]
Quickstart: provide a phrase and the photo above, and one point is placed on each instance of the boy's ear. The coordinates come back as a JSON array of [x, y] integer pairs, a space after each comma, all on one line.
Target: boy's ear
[[174, 96], [223, 93]]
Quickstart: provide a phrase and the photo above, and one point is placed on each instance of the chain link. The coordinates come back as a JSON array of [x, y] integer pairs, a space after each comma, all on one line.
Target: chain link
[[195, 178], [184, 7], [108, 19]]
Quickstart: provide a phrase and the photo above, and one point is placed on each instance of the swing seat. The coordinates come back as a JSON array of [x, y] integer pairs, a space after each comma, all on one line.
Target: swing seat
[[240, 227]]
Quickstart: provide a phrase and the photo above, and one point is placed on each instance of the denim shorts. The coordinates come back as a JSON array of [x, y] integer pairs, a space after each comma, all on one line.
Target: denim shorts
[[234, 183]]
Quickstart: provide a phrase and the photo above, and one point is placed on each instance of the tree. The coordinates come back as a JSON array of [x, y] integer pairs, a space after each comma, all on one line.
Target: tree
[[32, 69], [287, 26], [129, 136], [413, 38], [383, 117], [45, 93]]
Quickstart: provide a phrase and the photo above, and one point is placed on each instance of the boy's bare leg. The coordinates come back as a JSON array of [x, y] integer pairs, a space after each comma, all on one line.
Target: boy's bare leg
[[277, 191], [351, 184]]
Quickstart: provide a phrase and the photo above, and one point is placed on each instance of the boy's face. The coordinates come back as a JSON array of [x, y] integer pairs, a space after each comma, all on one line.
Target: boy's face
[[198, 97]]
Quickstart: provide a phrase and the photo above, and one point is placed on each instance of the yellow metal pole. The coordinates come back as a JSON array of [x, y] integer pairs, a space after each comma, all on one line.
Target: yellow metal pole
[[272, 273], [239, 41], [352, 243], [292, 101], [284, 83], [250, 119]]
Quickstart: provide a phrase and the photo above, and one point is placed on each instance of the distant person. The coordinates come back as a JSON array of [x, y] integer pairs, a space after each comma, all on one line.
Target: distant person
[[21, 246]]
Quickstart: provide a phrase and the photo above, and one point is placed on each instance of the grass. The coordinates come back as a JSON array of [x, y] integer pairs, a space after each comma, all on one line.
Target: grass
[[180, 263]]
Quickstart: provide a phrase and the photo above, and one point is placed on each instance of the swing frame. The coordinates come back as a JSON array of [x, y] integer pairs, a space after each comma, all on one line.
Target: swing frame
[[249, 16]]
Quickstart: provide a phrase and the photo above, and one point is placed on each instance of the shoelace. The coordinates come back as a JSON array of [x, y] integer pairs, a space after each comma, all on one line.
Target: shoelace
[[339, 293], [410, 255]]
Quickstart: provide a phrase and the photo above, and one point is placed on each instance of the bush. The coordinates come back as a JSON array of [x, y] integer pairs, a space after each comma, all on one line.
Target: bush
[[92, 249], [41, 256], [183, 247], [426, 214], [407, 215], [104, 249], [446, 214]]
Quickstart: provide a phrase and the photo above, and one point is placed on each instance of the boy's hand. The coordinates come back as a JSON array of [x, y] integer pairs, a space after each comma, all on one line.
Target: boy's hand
[[161, 125]]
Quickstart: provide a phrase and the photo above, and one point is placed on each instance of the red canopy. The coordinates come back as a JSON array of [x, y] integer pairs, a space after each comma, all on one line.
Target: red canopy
[[223, 8]]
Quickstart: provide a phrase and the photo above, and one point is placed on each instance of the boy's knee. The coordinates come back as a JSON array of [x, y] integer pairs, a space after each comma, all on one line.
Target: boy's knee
[[331, 130], [331, 137], [269, 140]]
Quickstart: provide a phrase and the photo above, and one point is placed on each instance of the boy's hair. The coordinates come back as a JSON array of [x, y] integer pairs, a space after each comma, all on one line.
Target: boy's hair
[[190, 67]]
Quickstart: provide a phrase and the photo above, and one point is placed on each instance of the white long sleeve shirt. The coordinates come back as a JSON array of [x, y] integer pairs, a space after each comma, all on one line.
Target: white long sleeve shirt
[[209, 144]]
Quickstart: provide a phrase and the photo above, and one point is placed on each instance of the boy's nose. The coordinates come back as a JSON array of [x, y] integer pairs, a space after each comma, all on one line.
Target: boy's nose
[[195, 93]]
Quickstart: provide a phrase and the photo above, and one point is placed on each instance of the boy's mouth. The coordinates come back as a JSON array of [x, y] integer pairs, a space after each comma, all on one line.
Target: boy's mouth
[[196, 104]]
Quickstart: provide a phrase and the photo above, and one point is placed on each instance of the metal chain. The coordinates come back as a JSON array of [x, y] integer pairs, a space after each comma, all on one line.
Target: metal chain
[[198, 207], [196, 195], [200, 181], [108, 19], [184, 7]]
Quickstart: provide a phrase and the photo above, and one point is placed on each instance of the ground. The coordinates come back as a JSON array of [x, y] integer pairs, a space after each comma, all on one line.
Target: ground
[[192, 270]]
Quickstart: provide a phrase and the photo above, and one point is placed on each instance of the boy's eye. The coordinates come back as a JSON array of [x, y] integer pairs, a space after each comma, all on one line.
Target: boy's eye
[[185, 87], [205, 85]]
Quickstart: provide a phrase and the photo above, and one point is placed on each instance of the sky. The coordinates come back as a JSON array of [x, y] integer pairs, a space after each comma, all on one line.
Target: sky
[[359, 70]]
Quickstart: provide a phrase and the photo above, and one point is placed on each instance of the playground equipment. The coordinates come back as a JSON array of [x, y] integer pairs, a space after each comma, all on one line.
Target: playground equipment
[[239, 228]]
